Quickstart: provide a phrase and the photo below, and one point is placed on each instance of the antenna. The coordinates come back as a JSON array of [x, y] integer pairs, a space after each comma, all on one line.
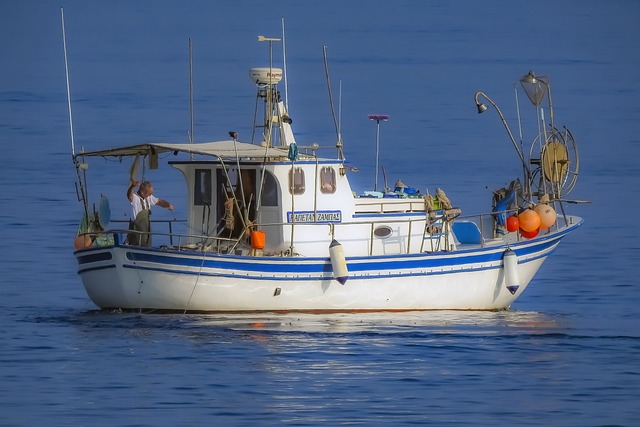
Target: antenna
[[271, 80], [66, 69], [333, 111], [191, 90], [284, 66], [340, 111], [83, 166], [515, 90], [378, 118], [191, 138]]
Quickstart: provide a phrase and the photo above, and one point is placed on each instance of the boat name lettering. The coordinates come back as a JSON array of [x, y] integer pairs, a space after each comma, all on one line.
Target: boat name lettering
[[319, 216]]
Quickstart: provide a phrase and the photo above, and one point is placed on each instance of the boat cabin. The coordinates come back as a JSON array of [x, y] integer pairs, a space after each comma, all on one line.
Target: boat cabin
[[300, 206]]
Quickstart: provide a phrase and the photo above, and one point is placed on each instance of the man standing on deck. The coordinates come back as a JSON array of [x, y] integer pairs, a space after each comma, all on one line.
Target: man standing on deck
[[141, 202]]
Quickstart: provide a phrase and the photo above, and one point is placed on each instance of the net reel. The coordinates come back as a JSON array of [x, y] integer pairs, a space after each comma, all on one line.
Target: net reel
[[554, 161], [553, 156]]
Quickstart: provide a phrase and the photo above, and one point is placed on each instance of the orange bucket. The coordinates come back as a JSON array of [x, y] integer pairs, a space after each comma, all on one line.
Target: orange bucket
[[258, 239]]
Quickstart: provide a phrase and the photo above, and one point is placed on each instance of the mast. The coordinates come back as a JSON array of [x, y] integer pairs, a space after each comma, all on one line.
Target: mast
[[191, 138], [284, 68], [268, 79], [333, 110], [66, 69], [82, 196]]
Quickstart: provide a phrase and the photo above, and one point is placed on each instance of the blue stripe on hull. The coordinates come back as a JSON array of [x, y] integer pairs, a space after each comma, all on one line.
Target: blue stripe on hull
[[319, 268], [369, 274], [322, 265], [241, 275]]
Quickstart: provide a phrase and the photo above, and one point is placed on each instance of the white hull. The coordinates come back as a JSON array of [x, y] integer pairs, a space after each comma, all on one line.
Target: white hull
[[135, 278]]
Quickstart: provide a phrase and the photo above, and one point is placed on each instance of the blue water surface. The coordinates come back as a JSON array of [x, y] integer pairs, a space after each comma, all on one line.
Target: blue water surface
[[567, 352]]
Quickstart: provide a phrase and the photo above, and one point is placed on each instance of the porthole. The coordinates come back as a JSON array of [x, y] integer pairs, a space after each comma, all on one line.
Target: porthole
[[382, 232]]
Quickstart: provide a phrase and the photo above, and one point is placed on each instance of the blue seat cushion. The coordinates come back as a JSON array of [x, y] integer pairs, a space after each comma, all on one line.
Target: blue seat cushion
[[467, 232]]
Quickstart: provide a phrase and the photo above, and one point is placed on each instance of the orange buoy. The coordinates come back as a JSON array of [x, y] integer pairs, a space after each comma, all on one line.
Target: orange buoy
[[512, 223], [529, 220], [529, 234], [547, 215], [81, 242], [258, 239]]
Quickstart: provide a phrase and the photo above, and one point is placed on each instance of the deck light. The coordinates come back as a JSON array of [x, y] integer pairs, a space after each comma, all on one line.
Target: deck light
[[536, 87], [482, 108]]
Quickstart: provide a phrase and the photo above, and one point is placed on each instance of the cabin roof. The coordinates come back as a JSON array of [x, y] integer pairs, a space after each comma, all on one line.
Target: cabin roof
[[220, 149]]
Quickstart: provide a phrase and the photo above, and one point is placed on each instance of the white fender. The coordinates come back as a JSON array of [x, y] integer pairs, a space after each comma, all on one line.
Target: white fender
[[338, 262], [510, 263]]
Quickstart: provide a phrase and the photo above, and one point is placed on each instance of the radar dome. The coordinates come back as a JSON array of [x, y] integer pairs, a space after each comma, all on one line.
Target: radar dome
[[265, 75]]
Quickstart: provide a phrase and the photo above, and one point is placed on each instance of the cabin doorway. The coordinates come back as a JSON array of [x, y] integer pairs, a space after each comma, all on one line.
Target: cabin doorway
[[235, 201]]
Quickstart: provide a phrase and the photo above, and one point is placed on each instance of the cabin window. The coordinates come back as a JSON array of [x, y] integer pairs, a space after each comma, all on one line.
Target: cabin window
[[202, 187], [382, 232], [327, 180], [269, 190], [296, 181]]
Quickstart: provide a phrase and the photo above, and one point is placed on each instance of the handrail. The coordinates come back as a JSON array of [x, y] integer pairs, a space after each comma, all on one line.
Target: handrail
[[479, 219], [151, 220], [389, 204], [153, 233], [168, 221]]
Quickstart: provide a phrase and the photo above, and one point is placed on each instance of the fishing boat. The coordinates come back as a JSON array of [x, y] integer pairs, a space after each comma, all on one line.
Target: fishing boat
[[273, 226]]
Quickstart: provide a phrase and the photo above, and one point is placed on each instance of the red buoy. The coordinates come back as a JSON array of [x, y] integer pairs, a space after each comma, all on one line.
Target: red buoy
[[529, 234], [512, 223]]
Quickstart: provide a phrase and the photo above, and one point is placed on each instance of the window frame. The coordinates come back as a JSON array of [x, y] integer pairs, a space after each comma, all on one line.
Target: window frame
[[328, 187], [202, 187], [296, 189]]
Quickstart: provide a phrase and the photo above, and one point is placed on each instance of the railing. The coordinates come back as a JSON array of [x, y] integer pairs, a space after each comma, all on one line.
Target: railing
[[204, 243], [366, 204], [373, 224], [157, 221], [482, 219]]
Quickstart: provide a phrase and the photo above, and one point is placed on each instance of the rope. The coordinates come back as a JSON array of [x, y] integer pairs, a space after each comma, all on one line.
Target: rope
[[229, 220], [186, 308]]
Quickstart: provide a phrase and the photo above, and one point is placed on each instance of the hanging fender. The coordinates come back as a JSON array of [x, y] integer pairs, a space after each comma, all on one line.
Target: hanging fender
[[510, 264], [338, 262]]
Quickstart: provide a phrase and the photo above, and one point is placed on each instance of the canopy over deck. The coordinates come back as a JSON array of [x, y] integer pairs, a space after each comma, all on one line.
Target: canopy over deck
[[219, 149]]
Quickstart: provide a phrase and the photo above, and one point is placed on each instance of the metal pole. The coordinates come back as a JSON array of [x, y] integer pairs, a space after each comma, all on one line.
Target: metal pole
[[378, 118], [284, 63], [191, 88], [191, 138], [66, 69], [375, 186]]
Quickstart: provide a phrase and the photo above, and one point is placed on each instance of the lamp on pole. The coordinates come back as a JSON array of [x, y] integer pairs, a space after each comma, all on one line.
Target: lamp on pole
[[481, 109], [378, 118], [535, 87]]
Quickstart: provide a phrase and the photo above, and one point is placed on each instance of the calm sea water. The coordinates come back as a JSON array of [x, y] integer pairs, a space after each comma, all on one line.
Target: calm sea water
[[567, 353]]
